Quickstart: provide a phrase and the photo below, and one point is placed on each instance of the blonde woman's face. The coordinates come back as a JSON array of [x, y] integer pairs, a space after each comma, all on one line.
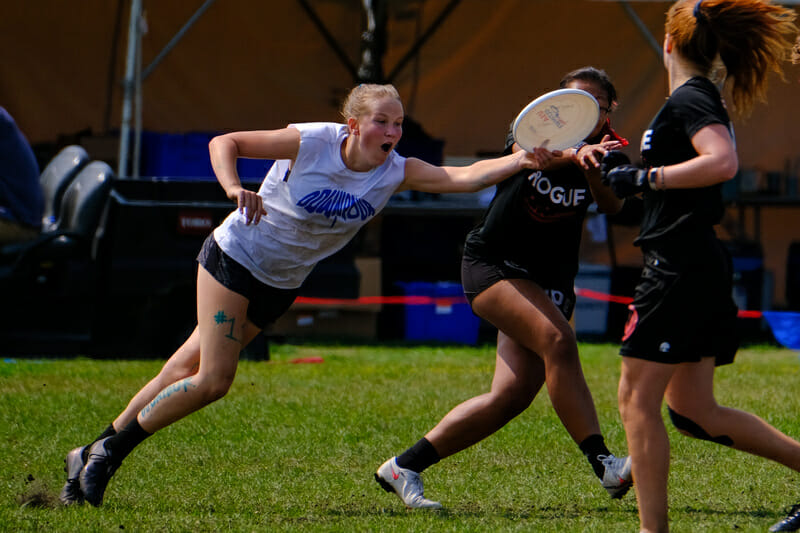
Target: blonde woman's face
[[380, 129]]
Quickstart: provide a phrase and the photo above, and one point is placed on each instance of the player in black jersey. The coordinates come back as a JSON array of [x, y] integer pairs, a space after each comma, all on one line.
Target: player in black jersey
[[518, 270], [683, 319]]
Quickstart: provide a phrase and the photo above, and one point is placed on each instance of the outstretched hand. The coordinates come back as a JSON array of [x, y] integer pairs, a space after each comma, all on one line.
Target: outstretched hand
[[591, 155], [538, 158], [250, 204]]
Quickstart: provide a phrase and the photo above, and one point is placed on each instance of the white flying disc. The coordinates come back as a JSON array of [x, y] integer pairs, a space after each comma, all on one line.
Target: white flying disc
[[556, 120]]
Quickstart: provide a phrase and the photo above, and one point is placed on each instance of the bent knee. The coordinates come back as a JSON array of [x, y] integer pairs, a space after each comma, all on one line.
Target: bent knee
[[559, 346], [636, 403], [213, 388], [516, 405], [628, 410], [217, 392], [690, 428], [563, 339], [511, 401]]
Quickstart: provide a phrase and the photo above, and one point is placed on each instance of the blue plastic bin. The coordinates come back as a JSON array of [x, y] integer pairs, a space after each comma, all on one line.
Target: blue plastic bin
[[785, 327], [185, 155], [176, 155], [445, 321], [254, 169]]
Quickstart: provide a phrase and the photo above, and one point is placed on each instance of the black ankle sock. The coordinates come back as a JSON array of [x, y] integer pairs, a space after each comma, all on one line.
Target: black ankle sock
[[123, 443], [592, 447], [109, 431], [419, 457]]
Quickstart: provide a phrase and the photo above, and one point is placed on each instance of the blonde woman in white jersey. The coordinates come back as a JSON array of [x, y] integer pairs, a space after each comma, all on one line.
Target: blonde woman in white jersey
[[328, 180]]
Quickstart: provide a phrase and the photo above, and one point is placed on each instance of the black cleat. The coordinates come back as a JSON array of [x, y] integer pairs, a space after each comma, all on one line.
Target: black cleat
[[100, 466], [73, 464], [791, 522]]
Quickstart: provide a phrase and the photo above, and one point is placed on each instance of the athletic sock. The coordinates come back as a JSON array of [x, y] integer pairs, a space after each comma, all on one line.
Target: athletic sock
[[123, 443], [106, 433], [419, 457], [109, 431], [593, 447]]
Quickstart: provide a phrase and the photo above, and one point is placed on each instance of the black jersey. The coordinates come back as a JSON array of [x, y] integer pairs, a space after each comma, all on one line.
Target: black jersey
[[667, 141], [535, 221]]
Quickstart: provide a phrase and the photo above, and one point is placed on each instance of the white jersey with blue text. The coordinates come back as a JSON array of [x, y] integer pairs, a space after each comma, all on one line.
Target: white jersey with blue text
[[313, 208]]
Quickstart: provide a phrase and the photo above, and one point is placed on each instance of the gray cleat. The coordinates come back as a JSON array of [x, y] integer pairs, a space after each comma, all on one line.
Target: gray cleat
[[791, 522], [73, 464], [100, 466]]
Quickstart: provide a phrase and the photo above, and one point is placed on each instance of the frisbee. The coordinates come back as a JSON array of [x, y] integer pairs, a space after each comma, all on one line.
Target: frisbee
[[556, 120]]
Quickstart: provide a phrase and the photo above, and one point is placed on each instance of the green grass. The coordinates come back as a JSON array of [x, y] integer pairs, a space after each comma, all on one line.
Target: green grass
[[293, 448]]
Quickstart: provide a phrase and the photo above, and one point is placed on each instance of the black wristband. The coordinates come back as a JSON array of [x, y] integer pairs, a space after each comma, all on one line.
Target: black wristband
[[652, 175]]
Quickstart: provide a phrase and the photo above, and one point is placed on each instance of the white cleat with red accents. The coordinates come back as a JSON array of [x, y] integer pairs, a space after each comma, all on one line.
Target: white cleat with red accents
[[406, 483], [617, 478]]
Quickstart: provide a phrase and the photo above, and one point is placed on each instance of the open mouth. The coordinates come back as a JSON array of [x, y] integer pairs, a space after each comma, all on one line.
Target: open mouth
[[386, 147]]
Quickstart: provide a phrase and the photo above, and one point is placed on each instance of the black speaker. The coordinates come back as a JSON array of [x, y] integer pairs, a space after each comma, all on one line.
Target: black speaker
[[793, 276]]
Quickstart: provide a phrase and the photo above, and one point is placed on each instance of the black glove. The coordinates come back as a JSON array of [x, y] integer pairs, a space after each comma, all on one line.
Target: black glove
[[627, 180], [613, 159]]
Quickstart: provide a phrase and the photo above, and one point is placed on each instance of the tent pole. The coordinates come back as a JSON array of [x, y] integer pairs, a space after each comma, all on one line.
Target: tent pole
[[423, 39], [111, 79], [174, 41], [643, 29], [373, 42], [137, 104], [128, 84]]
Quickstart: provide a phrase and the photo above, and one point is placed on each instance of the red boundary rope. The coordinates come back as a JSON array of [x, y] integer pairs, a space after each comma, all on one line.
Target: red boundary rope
[[447, 301]]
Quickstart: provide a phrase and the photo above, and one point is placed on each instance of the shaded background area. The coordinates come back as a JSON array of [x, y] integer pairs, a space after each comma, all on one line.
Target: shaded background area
[[463, 68], [252, 65]]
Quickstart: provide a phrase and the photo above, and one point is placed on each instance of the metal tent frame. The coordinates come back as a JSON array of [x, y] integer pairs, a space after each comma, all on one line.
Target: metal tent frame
[[370, 70], [373, 40]]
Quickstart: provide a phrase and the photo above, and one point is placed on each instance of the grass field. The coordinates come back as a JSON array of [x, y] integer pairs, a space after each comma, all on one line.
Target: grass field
[[293, 448]]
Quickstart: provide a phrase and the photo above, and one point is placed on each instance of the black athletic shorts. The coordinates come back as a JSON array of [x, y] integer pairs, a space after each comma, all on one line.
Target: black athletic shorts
[[478, 274], [267, 303], [683, 308]]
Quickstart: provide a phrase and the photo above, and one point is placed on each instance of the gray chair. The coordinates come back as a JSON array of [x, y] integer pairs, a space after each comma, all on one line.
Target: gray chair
[[71, 235], [84, 199], [56, 177], [49, 285]]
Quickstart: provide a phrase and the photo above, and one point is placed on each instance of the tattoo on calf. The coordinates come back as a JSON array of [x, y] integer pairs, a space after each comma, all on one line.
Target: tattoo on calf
[[179, 386]]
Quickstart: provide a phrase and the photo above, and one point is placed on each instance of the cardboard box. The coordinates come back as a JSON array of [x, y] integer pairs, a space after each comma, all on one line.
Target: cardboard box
[[342, 321], [327, 322], [370, 285]]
